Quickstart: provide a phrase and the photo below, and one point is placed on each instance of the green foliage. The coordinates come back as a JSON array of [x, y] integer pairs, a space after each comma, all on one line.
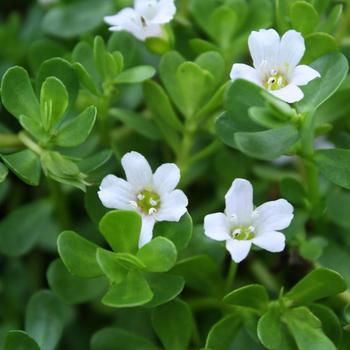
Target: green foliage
[[174, 332], [89, 95]]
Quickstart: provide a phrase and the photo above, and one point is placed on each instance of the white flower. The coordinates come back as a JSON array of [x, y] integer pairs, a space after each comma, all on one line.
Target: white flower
[[241, 225], [153, 196], [145, 20], [275, 63]]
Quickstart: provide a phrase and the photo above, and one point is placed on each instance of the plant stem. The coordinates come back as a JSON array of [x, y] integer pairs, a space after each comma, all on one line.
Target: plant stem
[[207, 303], [186, 146], [311, 172], [230, 276], [264, 276], [61, 204], [10, 141]]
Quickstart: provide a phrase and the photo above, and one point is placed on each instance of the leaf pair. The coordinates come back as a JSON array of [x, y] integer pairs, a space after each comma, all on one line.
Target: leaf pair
[[99, 69], [136, 275]]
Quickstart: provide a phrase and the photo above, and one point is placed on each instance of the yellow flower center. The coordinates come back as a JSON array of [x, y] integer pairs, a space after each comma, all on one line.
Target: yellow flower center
[[243, 233], [275, 81], [148, 202]]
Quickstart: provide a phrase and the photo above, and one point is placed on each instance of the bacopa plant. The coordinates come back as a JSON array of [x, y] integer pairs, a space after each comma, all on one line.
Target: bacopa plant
[[174, 175]]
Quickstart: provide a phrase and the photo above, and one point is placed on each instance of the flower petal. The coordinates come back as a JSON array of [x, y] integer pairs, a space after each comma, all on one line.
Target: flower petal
[[146, 230], [138, 171], [154, 11], [172, 206], [116, 193], [243, 71], [238, 249], [129, 20], [121, 17], [216, 226], [290, 93], [239, 201], [166, 12], [166, 178], [263, 47], [272, 241], [303, 74], [273, 216], [291, 50]]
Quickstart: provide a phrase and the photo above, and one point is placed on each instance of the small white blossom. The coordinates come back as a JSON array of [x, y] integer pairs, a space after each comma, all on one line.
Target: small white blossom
[[241, 225], [153, 196], [275, 62], [145, 20]]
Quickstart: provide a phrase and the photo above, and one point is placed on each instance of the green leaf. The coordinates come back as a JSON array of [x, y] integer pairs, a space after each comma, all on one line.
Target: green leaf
[[71, 20], [330, 322], [195, 85], [338, 208], [223, 24], [158, 102], [268, 144], [3, 172], [159, 255], [53, 102], [119, 339], [35, 128], [19, 340], [62, 70], [94, 162], [304, 17], [264, 117], [168, 66], [163, 113], [318, 45], [18, 236], [165, 287], [334, 164], [77, 130], [85, 78], [223, 333], [110, 265], [133, 291], [269, 328], [251, 296], [46, 316], [180, 233], [78, 254], [240, 97], [129, 261], [318, 284], [135, 75], [201, 273], [17, 94], [136, 122], [333, 69], [25, 164], [43, 49], [174, 332], [306, 330], [74, 290], [121, 229]]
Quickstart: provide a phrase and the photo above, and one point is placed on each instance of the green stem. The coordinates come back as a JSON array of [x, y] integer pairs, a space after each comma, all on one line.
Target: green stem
[[10, 141], [230, 276], [207, 303], [183, 157], [27, 141], [264, 276], [205, 152], [311, 172], [61, 204]]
